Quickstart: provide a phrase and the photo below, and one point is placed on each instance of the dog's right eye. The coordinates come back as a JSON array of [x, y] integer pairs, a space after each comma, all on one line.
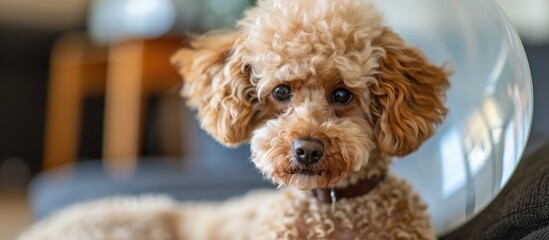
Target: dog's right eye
[[341, 96], [282, 93]]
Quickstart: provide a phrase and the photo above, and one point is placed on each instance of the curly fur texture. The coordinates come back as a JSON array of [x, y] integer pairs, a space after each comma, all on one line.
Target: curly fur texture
[[313, 47], [137, 218]]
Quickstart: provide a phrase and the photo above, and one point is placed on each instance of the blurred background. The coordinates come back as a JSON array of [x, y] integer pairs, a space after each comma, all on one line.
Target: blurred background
[[70, 91]]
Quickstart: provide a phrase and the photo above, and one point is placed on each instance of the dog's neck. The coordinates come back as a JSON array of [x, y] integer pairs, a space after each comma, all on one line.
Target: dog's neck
[[377, 165], [356, 183], [361, 188]]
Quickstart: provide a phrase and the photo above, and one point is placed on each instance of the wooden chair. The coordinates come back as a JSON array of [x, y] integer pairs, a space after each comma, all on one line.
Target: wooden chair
[[127, 73]]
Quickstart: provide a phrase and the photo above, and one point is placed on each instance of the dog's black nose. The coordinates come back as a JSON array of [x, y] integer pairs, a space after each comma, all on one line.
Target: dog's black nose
[[308, 151]]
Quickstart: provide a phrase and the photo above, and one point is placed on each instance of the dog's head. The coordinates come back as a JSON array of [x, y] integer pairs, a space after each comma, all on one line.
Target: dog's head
[[318, 86]]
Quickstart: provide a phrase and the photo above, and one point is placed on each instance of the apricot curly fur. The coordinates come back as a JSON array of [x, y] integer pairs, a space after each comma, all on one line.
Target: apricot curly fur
[[313, 47]]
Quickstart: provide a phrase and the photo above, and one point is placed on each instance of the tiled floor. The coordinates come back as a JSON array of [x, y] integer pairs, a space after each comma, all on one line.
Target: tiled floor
[[14, 214]]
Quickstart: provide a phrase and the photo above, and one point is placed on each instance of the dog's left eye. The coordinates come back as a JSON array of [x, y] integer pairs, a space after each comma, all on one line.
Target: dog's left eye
[[282, 93], [341, 96]]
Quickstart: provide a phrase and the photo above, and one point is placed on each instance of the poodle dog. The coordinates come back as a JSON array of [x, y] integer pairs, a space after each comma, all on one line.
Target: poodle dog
[[327, 95]]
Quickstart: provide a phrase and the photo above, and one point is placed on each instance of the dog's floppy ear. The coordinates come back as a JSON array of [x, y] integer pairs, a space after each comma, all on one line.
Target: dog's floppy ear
[[407, 98], [217, 84]]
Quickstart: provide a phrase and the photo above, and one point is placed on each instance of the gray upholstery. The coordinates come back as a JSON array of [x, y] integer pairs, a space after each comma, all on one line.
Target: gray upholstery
[[208, 171], [88, 180]]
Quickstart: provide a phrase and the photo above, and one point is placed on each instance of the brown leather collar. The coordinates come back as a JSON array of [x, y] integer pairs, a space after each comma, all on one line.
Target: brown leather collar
[[362, 187]]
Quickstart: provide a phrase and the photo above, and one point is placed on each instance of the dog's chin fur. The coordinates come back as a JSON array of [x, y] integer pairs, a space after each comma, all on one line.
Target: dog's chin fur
[[311, 180]]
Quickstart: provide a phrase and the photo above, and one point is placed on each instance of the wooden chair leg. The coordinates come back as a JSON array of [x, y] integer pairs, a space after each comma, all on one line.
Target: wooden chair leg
[[123, 105], [78, 69], [64, 102]]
